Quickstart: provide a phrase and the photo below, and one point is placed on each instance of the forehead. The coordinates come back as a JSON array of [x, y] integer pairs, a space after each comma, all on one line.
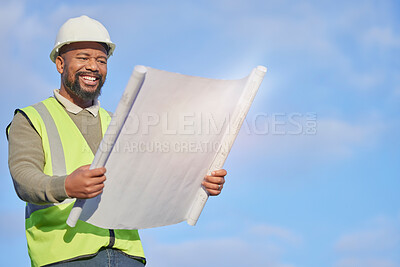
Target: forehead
[[84, 47]]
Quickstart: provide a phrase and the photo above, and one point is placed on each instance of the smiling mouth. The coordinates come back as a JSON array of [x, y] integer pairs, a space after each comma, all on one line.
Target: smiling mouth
[[89, 80]]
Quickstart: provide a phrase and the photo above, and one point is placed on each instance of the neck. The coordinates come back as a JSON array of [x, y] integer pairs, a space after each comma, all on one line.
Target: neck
[[74, 99]]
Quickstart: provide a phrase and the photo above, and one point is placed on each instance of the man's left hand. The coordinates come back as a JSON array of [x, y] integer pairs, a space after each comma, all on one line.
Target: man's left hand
[[214, 183]]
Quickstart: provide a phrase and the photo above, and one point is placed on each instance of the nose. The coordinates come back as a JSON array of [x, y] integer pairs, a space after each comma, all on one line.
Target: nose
[[92, 65]]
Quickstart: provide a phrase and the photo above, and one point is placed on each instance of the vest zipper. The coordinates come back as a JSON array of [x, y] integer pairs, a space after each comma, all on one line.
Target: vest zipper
[[112, 238]]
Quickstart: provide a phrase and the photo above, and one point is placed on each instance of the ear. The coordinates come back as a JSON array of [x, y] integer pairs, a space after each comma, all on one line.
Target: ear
[[60, 64]]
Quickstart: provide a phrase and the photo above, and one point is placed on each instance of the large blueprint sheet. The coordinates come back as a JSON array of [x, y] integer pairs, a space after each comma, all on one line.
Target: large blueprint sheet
[[168, 132]]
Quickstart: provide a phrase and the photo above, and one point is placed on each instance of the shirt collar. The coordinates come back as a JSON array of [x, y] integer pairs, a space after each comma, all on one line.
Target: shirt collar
[[75, 109]]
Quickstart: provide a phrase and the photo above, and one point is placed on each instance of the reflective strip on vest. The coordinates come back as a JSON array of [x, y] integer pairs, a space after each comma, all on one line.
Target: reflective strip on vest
[[56, 148], [50, 240], [57, 155]]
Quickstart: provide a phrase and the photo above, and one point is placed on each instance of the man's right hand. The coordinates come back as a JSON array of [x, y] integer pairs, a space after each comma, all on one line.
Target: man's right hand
[[85, 183]]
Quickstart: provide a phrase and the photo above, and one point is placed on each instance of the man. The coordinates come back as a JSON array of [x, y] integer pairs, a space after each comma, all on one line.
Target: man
[[51, 145]]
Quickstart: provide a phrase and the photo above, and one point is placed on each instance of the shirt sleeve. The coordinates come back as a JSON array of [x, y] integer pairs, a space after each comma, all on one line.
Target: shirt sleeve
[[26, 162]]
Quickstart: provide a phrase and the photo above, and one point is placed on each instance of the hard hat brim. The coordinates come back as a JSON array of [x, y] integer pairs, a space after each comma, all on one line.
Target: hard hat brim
[[55, 52]]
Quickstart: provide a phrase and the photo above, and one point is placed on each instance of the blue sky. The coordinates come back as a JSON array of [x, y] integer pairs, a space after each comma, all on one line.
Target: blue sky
[[314, 175]]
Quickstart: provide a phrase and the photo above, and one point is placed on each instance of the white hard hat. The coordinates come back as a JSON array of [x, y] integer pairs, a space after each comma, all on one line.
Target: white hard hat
[[81, 29]]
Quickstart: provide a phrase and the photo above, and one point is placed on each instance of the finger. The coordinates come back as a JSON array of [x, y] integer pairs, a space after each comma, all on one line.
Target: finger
[[98, 180], [221, 172], [97, 172], [212, 186], [97, 189], [214, 179], [94, 194], [93, 191], [213, 192]]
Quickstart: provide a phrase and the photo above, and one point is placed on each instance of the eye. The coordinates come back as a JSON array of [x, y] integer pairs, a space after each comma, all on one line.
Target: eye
[[83, 58], [102, 61]]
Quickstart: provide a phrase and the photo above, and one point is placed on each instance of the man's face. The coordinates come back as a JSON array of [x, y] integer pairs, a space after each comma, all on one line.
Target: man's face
[[83, 68]]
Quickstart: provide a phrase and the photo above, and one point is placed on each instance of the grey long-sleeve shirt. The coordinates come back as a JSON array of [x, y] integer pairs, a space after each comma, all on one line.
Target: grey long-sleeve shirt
[[26, 156]]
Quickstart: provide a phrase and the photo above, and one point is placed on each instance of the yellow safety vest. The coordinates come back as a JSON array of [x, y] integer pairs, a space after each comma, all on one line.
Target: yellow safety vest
[[50, 239]]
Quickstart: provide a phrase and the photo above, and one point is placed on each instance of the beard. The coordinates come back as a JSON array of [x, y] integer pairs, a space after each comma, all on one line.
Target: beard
[[75, 88]]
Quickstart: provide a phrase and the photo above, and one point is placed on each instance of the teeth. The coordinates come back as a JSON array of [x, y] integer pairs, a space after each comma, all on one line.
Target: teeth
[[89, 78]]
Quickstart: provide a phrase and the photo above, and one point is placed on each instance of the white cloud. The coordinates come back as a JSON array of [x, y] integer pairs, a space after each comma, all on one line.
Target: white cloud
[[351, 262], [376, 243], [372, 239], [382, 36], [366, 80], [343, 138], [381, 234], [258, 245], [213, 252], [396, 91], [300, 28], [10, 13], [21, 35], [338, 44], [396, 87], [22, 32], [12, 223], [270, 231], [280, 137]]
